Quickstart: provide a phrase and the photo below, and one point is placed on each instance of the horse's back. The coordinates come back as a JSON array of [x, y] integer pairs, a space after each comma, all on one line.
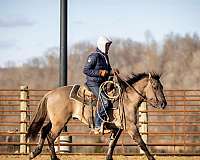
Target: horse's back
[[60, 91], [58, 102]]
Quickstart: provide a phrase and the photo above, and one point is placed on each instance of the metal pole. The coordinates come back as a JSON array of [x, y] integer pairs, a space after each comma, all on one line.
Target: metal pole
[[63, 58], [63, 43]]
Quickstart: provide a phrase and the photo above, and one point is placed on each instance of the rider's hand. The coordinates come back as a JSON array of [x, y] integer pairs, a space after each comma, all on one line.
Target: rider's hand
[[103, 73]]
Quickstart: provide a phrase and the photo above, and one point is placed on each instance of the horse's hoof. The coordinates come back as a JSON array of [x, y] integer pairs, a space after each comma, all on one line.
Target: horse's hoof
[[109, 158], [55, 158], [152, 158]]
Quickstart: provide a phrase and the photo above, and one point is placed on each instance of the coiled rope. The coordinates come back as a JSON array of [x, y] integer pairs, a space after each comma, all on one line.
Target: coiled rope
[[103, 92]]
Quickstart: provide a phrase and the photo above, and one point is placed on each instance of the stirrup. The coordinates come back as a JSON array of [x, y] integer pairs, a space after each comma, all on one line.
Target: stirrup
[[95, 131], [100, 130], [103, 129]]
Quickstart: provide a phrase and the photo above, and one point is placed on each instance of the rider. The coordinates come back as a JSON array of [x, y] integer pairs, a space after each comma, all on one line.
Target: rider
[[97, 70]]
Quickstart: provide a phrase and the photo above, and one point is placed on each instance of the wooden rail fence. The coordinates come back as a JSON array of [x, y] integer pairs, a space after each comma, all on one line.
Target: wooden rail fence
[[172, 131]]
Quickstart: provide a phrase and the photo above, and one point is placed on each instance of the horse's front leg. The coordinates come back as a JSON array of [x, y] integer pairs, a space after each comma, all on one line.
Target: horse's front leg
[[113, 141], [135, 135]]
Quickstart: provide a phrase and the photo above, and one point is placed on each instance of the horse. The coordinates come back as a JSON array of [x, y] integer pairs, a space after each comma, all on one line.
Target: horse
[[58, 108]]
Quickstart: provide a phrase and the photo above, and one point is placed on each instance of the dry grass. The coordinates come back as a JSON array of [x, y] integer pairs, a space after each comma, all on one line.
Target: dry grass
[[100, 158]]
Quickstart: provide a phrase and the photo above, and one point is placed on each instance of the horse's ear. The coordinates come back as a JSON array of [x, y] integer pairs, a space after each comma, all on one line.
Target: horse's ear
[[150, 76]]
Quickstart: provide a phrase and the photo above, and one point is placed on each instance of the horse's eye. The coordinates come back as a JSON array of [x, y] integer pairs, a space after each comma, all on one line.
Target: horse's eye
[[155, 86]]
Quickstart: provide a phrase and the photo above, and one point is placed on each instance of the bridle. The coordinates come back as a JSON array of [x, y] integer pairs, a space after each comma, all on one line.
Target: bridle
[[132, 87]]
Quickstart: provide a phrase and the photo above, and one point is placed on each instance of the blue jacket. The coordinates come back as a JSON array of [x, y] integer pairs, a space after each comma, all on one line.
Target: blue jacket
[[96, 61]]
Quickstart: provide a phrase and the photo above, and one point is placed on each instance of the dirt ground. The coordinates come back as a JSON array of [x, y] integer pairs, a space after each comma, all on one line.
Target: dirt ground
[[64, 157]]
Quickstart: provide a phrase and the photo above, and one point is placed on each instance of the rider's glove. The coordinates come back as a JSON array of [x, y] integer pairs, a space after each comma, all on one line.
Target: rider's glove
[[103, 73]]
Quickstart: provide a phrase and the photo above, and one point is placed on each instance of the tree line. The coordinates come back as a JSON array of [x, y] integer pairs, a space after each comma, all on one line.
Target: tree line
[[176, 58]]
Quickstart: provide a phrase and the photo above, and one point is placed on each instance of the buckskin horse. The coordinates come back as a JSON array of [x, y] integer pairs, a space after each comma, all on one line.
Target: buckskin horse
[[58, 108]]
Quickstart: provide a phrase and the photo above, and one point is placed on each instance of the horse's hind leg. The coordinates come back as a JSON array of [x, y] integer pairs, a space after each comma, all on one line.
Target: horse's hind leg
[[135, 135], [113, 140], [45, 130], [54, 133]]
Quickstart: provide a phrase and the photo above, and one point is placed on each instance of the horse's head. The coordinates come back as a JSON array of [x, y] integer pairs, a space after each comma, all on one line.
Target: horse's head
[[145, 87], [154, 92]]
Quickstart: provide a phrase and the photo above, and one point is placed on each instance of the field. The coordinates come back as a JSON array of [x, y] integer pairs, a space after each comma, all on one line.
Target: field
[[101, 157]]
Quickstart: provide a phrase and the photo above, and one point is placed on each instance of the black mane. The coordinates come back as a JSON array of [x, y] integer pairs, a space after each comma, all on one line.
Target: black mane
[[133, 78]]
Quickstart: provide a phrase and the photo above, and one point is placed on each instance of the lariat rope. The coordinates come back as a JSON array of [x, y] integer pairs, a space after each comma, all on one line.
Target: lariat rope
[[108, 97]]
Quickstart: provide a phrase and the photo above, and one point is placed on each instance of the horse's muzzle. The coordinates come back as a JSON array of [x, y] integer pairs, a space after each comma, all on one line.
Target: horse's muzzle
[[159, 105], [162, 105]]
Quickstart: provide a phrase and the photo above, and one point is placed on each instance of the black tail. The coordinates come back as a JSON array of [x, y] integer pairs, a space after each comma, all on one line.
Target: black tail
[[37, 119]]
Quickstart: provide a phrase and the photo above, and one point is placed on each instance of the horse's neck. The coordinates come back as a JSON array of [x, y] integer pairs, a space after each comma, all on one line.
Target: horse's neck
[[138, 89], [134, 97], [138, 100]]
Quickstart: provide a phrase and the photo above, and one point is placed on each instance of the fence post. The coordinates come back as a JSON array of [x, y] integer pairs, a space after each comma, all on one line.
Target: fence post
[[23, 124], [143, 119]]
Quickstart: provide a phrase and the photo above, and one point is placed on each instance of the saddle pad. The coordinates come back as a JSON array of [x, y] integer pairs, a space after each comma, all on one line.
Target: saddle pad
[[73, 93], [80, 93]]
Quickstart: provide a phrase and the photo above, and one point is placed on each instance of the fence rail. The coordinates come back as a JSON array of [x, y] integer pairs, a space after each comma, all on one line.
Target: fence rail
[[175, 130]]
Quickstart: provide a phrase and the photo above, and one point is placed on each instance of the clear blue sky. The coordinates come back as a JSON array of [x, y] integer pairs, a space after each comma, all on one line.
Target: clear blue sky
[[29, 27]]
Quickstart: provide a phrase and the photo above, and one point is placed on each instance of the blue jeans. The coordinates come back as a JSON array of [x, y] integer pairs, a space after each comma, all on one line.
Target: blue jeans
[[102, 109]]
